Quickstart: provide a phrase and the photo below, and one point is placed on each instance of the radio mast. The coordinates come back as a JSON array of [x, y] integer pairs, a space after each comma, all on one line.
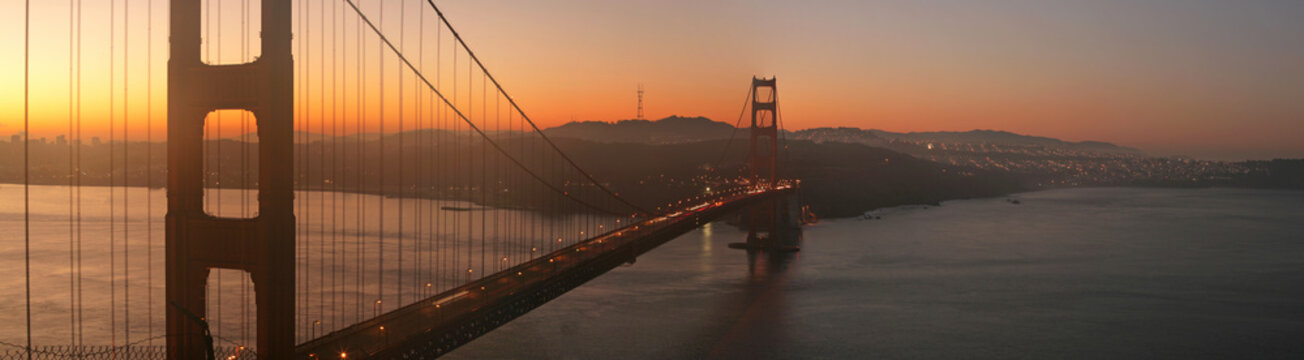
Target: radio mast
[[640, 101]]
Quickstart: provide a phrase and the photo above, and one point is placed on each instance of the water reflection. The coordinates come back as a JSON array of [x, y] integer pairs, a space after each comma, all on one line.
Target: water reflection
[[705, 261], [761, 326], [770, 261]]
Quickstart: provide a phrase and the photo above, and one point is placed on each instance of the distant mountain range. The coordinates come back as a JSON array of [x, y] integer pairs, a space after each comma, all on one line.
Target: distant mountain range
[[304, 137], [676, 129], [844, 171], [671, 130], [679, 130]]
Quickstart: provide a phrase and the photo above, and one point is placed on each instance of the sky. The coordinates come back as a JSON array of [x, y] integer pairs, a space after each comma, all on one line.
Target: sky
[[1206, 78]]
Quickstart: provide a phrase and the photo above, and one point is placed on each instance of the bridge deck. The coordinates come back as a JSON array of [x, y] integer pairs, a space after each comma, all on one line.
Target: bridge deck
[[436, 325]]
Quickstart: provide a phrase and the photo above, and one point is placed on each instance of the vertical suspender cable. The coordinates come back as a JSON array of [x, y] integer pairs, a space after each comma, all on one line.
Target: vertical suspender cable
[[149, 170], [455, 256], [514, 197], [126, 171], [300, 284], [497, 228], [244, 165], [313, 183], [359, 112], [113, 268], [302, 146], [72, 282], [80, 320], [361, 219], [402, 34], [420, 164], [305, 147], [484, 178], [470, 173], [335, 159], [217, 131], [27, 170], [208, 56], [439, 155], [430, 184], [460, 181], [218, 191], [301, 152], [334, 180], [380, 60], [321, 164], [300, 164], [420, 180], [483, 172]]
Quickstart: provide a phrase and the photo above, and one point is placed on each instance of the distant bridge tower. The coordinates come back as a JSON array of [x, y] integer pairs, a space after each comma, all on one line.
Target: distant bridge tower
[[766, 220], [198, 242], [765, 131]]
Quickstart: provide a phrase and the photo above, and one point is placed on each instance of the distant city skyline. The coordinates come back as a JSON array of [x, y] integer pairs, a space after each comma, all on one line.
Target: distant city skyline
[[1208, 79]]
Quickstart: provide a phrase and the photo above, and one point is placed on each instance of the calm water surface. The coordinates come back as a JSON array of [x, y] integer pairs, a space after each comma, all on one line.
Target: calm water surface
[[340, 274], [1080, 273]]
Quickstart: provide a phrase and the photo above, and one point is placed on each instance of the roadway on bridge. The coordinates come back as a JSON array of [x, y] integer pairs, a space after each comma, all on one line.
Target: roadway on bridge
[[461, 304]]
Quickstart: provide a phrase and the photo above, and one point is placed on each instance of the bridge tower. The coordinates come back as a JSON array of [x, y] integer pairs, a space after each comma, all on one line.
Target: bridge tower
[[764, 219], [196, 243], [764, 131]]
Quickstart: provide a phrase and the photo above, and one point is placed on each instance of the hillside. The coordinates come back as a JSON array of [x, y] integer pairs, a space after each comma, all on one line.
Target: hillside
[[676, 129], [671, 130], [650, 162], [838, 179]]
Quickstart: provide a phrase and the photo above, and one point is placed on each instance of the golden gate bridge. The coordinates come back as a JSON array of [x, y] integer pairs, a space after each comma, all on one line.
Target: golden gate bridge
[[350, 181]]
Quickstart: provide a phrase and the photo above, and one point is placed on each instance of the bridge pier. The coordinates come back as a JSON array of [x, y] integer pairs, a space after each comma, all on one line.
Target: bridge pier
[[773, 225]]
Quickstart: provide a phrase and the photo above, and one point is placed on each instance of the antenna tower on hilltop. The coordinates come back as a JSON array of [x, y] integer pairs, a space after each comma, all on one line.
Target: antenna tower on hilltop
[[640, 101]]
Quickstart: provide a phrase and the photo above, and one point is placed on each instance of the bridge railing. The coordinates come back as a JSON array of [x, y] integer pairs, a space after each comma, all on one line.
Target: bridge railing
[[105, 352]]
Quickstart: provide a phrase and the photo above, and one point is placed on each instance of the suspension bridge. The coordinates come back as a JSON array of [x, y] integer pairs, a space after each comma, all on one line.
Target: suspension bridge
[[343, 179]]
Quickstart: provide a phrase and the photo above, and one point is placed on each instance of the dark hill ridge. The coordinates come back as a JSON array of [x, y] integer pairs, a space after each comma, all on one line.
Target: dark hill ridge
[[677, 129], [838, 179], [1001, 137], [671, 130]]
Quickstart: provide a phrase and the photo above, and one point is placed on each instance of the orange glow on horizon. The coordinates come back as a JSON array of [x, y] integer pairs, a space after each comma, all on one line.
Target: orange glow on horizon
[[920, 67]]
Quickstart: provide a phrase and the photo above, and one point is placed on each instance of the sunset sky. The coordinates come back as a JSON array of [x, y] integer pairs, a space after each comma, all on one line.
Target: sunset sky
[[1208, 78]]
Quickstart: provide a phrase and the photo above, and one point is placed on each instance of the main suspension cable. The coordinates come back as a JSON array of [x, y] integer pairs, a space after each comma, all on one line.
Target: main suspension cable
[[527, 119], [472, 125], [732, 135]]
